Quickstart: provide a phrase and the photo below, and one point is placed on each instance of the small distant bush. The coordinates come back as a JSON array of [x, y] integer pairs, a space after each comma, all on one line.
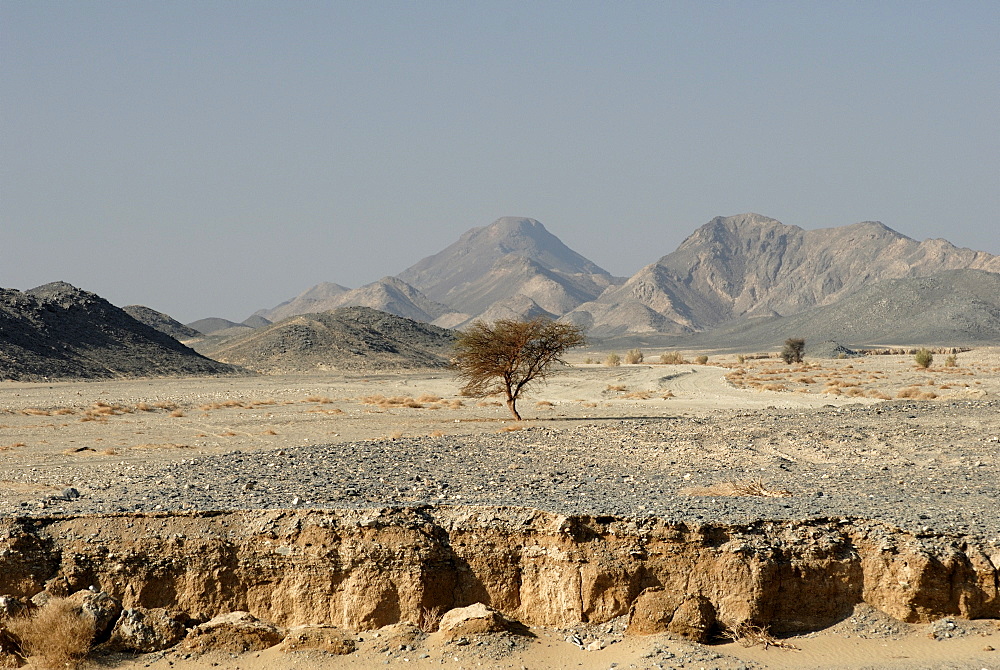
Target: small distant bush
[[613, 360], [793, 350], [951, 361], [923, 358], [701, 360], [741, 359], [633, 356], [672, 358], [588, 361]]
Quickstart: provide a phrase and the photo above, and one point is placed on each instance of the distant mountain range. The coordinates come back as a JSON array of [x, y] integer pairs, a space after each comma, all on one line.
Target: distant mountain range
[[731, 268], [740, 282]]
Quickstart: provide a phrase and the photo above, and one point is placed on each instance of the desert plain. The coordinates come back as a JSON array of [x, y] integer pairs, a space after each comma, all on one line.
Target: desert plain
[[868, 442]]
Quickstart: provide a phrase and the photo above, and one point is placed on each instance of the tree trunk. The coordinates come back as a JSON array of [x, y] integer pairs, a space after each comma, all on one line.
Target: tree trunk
[[513, 409]]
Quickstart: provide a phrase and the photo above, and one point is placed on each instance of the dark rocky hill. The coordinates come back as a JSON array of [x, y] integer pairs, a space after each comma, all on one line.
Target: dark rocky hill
[[161, 322], [952, 308], [347, 338], [59, 331]]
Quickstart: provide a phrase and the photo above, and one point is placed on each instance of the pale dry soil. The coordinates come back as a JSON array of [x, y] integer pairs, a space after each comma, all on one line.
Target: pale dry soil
[[637, 439]]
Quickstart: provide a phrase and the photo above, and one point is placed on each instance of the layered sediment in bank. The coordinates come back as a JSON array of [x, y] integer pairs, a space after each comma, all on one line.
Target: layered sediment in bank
[[363, 569]]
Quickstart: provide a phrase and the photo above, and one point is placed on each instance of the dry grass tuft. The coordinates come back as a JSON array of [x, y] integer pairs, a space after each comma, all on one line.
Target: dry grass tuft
[[489, 403], [437, 433], [430, 619], [35, 412], [335, 410], [225, 404], [395, 435], [544, 403], [395, 401], [749, 635], [177, 413], [639, 395], [915, 393], [429, 397], [165, 405], [616, 387], [672, 358], [322, 399], [511, 429], [57, 635], [8, 447]]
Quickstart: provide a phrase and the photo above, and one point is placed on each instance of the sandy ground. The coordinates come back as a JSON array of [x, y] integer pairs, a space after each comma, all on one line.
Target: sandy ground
[[69, 426]]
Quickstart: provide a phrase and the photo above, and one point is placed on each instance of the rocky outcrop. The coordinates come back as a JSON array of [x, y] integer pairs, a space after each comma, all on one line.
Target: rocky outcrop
[[364, 569]]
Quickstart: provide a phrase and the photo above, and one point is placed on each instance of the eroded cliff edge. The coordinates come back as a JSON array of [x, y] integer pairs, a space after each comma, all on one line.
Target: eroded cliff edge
[[363, 569]]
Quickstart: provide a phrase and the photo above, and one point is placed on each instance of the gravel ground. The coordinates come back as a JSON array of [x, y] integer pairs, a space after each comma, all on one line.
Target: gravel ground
[[921, 466]]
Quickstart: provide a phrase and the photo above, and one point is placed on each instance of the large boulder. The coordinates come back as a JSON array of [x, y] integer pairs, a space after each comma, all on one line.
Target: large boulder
[[473, 620], [144, 630], [99, 607], [235, 632], [659, 611]]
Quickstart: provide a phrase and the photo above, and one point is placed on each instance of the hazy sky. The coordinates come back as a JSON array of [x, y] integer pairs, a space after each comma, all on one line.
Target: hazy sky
[[214, 158]]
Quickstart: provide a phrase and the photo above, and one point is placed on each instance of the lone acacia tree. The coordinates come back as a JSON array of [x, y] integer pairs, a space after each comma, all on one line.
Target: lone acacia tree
[[508, 355]]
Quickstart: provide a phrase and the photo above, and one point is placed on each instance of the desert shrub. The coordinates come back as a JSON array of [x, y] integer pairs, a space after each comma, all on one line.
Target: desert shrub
[[701, 360], [923, 358], [793, 350], [613, 360], [588, 361], [741, 359], [951, 361], [633, 356], [672, 358], [58, 634]]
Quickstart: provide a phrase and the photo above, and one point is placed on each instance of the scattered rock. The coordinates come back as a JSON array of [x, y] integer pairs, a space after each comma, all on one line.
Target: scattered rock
[[235, 632]]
